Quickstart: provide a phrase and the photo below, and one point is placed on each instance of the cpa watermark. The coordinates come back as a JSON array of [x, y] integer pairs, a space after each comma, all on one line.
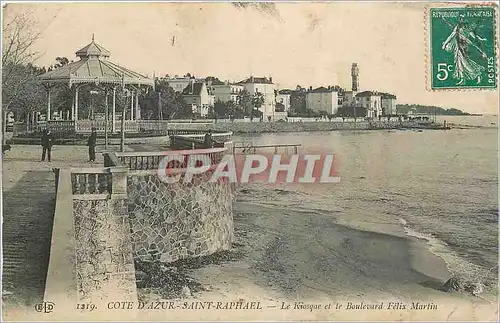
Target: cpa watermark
[[296, 168]]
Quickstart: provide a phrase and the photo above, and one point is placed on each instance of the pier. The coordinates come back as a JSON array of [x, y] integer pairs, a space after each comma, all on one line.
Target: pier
[[251, 147]]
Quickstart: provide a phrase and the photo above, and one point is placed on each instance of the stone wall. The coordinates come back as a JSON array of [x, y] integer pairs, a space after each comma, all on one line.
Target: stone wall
[[179, 220], [104, 263], [262, 127]]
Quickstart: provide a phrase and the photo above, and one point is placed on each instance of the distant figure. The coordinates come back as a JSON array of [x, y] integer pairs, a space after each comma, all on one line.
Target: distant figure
[[47, 142], [209, 142], [92, 143]]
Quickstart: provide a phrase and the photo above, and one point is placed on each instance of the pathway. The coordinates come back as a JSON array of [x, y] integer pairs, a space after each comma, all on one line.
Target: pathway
[[28, 203]]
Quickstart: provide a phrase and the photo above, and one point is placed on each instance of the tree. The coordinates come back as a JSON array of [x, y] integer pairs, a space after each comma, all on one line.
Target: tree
[[223, 109], [245, 103], [173, 104], [61, 61], [17, 58], [257, 100]]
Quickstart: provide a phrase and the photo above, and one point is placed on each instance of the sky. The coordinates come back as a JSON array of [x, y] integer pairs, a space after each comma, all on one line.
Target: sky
[[311, 44]]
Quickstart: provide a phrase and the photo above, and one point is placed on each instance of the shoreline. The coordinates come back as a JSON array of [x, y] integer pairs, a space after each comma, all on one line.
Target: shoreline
[[282, 262]]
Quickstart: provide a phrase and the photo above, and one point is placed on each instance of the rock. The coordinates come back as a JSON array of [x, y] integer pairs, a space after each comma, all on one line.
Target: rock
[[460, 285], [453, 284], [186, 292], [474, 288], [169, 269]]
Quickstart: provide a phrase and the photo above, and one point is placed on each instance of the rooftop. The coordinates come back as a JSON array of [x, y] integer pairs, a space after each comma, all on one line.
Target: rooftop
[[323, 89], [193, 89], [258, 80], [92, 68], [93, 50]]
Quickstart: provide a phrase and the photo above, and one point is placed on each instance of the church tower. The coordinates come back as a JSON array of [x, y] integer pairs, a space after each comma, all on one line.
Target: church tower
[[355, 77]]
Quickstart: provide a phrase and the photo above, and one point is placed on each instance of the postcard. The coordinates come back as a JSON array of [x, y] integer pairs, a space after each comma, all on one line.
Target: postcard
[[249, 161]]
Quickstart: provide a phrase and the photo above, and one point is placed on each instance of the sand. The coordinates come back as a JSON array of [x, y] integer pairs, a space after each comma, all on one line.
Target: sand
[[290, 257]]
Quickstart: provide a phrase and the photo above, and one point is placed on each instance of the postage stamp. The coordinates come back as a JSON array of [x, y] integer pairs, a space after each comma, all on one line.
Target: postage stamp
[[462, 47]]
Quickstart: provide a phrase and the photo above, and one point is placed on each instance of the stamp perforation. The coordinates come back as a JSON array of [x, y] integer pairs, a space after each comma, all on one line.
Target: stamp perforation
[[427, 41]]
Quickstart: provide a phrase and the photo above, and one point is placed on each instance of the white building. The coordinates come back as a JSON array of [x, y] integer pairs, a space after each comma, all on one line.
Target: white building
[[179, 83], [323, 99], [198, 97], [267, 88], [389, 104], [283, 97], [226, 92], [372, 102]]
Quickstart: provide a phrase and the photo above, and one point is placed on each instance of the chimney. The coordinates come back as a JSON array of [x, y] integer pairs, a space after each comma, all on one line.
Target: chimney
[[251, 79], [271, 79]]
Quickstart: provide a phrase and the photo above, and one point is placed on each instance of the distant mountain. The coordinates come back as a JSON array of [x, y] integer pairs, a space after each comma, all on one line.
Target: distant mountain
[[428, 109]]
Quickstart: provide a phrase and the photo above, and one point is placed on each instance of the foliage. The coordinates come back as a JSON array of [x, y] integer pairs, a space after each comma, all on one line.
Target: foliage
[[172, 103], [245, 103], [257, 100], [426, 109], [18, 70], [298, 101]]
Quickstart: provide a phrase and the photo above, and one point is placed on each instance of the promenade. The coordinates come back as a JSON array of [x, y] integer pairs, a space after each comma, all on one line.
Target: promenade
[[28, 209]]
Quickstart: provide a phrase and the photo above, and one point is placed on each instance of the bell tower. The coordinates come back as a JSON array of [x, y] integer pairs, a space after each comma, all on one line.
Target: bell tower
[[355, 77]]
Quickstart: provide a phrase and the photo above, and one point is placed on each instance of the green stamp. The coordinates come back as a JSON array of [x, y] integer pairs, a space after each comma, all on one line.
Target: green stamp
[[462, 41]]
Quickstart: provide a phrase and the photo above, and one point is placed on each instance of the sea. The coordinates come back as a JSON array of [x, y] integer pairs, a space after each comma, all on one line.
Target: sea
[[441, 186]]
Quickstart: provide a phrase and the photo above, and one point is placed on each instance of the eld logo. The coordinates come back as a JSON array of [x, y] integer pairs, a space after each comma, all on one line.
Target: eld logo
[[44, 307]]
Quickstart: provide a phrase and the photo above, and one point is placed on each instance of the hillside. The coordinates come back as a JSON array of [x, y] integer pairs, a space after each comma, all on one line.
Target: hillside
[[428, 109]]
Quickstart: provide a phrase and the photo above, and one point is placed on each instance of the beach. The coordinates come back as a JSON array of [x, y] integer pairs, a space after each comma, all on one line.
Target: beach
[[357, 245]]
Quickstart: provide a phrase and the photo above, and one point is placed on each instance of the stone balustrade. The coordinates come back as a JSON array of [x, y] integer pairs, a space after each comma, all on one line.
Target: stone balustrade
[[136, 161], [98, 183]]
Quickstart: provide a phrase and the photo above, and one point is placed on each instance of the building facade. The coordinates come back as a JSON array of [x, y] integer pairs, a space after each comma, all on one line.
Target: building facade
[[199, 98], [372, 102], [267, 88], [283, 97], [226, 92], [323, 99], [349, 99], [389, 104]]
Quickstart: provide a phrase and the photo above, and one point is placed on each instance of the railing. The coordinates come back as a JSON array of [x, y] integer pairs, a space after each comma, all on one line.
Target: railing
[[149, 125], [58, 126], [98, 183], [85, 126], [222, 137], [151, 160], [201, 121], [183, 142]]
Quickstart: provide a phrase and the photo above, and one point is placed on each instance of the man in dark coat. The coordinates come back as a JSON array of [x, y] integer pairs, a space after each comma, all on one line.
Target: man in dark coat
[[47, 142], [92, 143], [208, 142]]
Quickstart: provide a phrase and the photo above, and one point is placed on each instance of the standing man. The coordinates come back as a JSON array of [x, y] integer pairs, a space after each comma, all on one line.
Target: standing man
[[92, 143], [47, 142], [208, 142]]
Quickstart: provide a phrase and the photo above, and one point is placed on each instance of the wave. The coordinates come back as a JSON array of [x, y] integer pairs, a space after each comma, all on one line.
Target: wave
[[459, 267]]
